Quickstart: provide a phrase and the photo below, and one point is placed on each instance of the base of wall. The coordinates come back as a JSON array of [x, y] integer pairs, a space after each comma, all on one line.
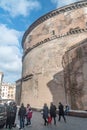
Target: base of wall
[[78, 113]]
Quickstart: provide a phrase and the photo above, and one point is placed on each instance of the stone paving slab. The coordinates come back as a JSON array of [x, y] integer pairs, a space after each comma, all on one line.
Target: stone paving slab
[[73, 123]]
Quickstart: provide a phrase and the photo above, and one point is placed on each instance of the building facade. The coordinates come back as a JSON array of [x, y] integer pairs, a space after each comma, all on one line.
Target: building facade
[[8, 91], [45, 44]]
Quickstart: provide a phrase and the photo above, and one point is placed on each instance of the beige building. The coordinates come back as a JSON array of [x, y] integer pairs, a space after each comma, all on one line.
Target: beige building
[[52, 71], [8, 91]]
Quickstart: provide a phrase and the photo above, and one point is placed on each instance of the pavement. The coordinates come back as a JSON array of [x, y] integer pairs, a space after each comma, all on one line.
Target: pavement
[[73, 123]]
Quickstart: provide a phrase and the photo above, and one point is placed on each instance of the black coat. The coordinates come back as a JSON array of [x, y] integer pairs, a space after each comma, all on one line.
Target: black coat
[[45, 112], [53, 111], [22, 111], [61, 109]]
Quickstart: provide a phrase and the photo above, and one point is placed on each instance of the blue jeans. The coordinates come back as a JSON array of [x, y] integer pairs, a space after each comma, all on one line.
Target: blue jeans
[[22, 120]]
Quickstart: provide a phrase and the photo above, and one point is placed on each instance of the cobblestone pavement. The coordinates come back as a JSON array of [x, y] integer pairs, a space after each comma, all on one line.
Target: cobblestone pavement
[[73, 123]]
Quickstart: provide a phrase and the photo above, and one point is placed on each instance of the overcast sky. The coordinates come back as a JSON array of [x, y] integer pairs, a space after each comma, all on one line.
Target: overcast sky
[[15, 18]]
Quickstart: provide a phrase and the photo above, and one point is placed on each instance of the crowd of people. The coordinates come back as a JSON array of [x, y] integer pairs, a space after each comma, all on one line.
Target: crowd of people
[[51, 114], [11, 111], [24, 114]]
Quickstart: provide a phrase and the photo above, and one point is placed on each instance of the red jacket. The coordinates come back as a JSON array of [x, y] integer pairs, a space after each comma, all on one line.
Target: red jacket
[[30, 114]]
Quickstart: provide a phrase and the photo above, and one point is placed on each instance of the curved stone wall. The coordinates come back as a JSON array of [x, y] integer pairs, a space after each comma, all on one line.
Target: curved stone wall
[[57, 22], [75, 75], [44, 44]]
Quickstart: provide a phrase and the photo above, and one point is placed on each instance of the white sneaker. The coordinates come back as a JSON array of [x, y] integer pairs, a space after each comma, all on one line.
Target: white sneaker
[[18, 126], [30, 125]]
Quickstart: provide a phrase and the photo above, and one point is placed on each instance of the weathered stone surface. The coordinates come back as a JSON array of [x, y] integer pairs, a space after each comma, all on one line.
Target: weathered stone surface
[[75, 68], [45, 44]]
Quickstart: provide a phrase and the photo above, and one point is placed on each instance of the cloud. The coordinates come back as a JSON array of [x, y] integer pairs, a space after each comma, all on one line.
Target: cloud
[[61, 3], [10, 53], [8, 36], [19, 7]]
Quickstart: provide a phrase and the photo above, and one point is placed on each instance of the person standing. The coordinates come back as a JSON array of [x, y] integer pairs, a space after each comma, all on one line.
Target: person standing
[[61, 111], [53, 112], [21, 115], [9, 116], [27, 110], [67, 109], [29, 116], [45, 114], [49, 119], [14, 114]]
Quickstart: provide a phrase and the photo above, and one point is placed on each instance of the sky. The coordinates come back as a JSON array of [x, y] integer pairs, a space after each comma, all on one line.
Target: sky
[[15, 17]]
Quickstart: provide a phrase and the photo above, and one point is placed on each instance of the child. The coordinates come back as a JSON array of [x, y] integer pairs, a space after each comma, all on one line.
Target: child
[[49, 119], [29, 116]]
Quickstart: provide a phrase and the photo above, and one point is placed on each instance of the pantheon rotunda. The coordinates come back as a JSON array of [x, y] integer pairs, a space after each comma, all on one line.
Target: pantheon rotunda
[[54, 62]]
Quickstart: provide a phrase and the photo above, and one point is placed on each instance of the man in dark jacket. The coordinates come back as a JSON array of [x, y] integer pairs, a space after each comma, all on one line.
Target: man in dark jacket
[[61, 111], [14, 107], [9, 110], [53, 112], [21, 114]]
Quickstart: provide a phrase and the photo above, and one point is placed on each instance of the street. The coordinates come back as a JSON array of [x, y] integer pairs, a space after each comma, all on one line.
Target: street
[[73, 123]]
